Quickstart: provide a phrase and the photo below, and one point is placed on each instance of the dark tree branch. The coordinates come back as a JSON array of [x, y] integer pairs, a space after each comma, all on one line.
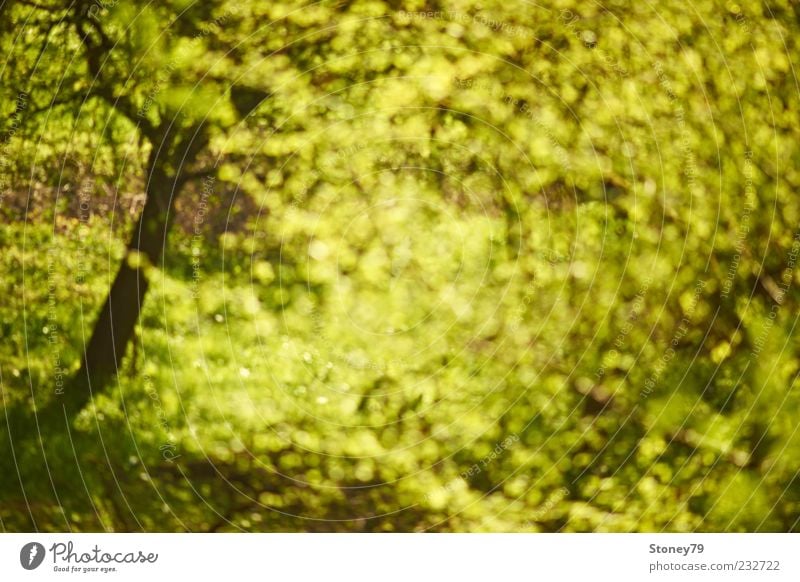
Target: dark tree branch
[[102, 48]]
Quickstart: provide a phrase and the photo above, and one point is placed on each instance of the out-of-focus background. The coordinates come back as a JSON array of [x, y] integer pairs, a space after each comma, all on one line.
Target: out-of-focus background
[[399, 266]]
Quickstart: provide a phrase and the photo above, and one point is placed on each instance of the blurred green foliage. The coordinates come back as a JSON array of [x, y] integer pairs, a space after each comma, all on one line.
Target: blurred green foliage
[[554, 242]]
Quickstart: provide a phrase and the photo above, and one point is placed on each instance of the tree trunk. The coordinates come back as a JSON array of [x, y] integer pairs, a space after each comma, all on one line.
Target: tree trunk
[[116, 322]]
